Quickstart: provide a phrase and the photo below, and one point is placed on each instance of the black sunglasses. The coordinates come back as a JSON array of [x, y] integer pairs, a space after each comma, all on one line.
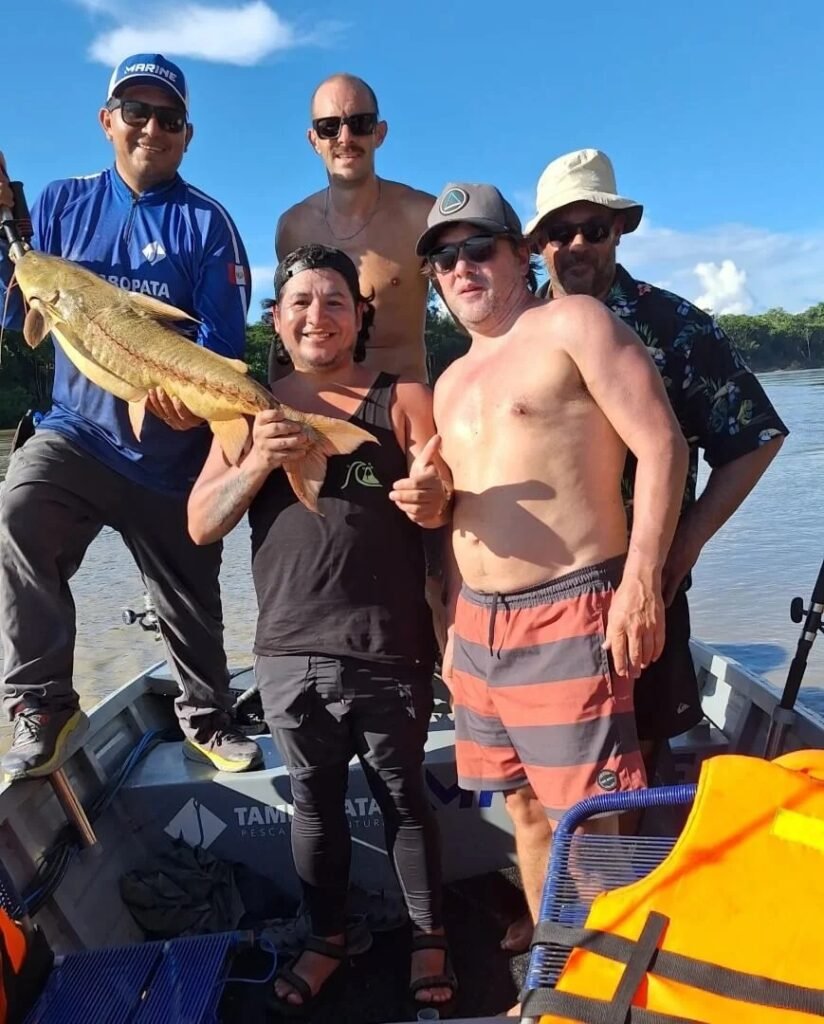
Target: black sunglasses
[[477, 249], [593, 231], [358, 124], [137, 114]]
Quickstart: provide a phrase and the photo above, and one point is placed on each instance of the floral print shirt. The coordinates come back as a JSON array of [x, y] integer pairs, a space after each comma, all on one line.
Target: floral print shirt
[[717, 399]]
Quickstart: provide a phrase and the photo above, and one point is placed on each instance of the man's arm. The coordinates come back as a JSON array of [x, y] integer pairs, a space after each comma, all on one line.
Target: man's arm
[[733, 420], [222, 493], [726, 489], [426, 494], [627, 387]]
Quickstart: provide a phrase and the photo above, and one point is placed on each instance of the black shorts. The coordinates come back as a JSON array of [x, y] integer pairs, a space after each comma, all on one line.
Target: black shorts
[[666, 694], [324, 711]]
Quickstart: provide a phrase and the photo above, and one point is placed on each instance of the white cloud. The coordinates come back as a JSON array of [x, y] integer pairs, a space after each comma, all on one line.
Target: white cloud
[[725, 288], [240, 34], [730, 267]]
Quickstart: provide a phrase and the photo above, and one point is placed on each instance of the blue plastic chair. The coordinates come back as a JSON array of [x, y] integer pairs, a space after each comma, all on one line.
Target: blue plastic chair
[[179, 981], [583, 866]]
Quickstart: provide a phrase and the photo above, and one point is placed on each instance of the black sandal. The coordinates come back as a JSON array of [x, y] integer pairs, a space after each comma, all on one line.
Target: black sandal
[[447, 979], [309, 1000]]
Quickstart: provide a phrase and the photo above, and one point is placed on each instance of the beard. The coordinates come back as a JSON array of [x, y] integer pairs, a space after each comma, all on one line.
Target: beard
[[585, 276], [325, 360]]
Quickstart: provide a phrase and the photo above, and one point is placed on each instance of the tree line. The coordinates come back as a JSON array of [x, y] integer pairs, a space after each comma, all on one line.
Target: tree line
[[774, 340]]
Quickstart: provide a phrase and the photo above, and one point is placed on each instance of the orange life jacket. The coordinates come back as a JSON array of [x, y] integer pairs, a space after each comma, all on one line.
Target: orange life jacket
[[12, 955], [729, 929]]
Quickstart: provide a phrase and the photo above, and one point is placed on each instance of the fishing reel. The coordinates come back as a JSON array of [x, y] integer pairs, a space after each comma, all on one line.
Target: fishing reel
[[798, 612], [147, 618]]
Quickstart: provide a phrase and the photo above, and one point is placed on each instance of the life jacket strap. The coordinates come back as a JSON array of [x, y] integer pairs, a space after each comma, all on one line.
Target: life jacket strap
[[643, 956]]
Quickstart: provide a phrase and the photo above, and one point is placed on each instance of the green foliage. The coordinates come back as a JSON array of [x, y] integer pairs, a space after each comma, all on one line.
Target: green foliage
[[25, 378], [445, 341], [778, 340]]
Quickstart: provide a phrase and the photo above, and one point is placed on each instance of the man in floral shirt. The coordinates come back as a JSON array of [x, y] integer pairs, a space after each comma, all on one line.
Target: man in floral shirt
[[718, 401]]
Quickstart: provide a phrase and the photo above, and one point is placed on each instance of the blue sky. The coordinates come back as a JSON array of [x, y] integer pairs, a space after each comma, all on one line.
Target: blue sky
[[711, 112]]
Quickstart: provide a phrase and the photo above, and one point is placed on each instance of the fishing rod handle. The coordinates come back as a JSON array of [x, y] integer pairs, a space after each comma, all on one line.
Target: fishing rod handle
[[15, 223]]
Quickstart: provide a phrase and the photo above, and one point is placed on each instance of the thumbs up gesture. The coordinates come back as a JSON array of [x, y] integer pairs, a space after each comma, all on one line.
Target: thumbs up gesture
[[426, 493]]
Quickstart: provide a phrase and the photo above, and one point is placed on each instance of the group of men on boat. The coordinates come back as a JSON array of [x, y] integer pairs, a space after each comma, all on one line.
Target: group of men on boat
[[557, 459]]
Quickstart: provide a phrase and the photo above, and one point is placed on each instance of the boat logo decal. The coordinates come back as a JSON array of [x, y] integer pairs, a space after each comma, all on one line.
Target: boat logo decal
[[363, 474], [454, 200], [196, 825]]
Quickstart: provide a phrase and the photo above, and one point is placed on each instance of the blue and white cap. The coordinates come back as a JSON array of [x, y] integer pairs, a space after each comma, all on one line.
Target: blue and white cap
[[150, 69]]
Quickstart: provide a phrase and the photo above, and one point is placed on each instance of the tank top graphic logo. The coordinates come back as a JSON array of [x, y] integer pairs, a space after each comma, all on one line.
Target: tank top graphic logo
[[361, 473]]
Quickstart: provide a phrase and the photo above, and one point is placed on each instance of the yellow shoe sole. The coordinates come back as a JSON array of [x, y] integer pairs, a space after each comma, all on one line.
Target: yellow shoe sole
[[195, 752], [71, 733]]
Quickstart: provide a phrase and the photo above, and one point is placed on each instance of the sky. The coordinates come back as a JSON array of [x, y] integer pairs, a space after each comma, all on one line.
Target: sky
[[710, 111]]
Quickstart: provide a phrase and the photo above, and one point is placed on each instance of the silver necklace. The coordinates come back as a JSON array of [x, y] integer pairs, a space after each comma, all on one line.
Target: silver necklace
[[346, 238]]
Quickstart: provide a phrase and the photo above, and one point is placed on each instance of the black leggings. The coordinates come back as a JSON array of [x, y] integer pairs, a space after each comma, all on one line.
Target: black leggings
[[322, 711]]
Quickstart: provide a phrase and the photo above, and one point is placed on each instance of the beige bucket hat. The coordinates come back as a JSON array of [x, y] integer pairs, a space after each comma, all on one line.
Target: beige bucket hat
[[587, 175]]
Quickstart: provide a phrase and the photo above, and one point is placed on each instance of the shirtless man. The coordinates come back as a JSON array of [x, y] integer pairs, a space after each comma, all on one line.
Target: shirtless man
[[374, 221], [536, 420]]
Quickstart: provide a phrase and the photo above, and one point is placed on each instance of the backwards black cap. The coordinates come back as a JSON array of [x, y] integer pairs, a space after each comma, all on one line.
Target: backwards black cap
[[317, 257]]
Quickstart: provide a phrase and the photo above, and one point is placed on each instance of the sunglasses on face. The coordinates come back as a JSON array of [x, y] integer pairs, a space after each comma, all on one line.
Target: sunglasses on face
[[358, 124], [477, 249], [593, 231], [137, 114]]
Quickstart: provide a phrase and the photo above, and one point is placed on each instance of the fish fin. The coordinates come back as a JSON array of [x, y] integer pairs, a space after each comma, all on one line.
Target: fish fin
[[159, 309], [306, 477], [330, 437], [232, 435], [90, 368], [35, 327], [336, 437], [137, 413]]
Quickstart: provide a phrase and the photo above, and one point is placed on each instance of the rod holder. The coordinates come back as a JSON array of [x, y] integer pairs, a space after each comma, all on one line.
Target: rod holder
[[72, 807]]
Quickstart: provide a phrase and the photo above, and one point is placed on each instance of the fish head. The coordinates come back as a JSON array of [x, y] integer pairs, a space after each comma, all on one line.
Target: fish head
[[39, 277]]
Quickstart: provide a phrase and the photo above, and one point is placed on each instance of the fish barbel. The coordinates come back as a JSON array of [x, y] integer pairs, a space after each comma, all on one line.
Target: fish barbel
[[124, 343]]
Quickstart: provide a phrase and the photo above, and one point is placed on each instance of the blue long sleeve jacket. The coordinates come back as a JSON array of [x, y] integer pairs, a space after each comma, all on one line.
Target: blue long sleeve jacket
[[171, 242]]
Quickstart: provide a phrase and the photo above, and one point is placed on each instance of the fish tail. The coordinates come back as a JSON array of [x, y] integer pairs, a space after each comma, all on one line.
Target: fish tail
[[329, 437]]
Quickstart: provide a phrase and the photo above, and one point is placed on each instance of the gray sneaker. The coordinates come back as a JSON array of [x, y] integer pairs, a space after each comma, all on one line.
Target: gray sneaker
[[226, 749], [43, 741]]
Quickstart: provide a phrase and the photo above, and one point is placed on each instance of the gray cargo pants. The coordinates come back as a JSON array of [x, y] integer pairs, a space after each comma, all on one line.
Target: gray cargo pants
[[55, 501]]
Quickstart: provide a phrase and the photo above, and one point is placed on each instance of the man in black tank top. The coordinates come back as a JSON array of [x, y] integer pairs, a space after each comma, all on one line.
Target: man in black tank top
[[344, 643]]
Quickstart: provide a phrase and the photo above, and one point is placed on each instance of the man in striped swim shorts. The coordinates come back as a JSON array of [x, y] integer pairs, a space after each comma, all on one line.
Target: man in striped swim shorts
[[554, 616]]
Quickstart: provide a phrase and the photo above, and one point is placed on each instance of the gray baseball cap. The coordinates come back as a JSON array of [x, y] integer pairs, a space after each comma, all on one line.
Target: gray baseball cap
[[462, 203]]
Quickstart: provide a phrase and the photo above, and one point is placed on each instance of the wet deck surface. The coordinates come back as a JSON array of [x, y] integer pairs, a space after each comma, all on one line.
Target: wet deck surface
[[477, 912]]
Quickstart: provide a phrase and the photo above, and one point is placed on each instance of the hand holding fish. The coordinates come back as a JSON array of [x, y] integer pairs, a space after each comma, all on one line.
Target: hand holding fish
[[277, 440], [171, 410], [426, 493], [127, 344]]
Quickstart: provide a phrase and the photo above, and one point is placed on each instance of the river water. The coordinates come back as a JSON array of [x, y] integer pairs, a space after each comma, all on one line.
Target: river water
[[770, 551]]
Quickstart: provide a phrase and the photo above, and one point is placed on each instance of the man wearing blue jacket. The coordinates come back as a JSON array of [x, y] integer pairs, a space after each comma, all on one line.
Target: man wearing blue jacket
[[141, 226]]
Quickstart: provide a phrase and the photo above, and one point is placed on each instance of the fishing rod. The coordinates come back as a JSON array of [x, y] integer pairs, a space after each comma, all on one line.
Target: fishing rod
[[15, 223], [784, 715]]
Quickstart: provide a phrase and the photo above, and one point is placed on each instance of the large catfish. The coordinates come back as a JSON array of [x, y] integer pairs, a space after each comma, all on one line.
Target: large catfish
[[124, 342]]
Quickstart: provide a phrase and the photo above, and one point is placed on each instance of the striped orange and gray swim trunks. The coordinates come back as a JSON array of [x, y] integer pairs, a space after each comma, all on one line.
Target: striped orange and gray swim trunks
[[535, 699]]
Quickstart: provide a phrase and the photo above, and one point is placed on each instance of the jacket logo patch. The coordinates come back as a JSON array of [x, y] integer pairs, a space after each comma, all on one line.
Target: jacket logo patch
[[154, 252]]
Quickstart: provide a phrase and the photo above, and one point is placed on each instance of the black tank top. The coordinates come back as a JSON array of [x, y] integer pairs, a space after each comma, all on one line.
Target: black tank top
[[349, 583]]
